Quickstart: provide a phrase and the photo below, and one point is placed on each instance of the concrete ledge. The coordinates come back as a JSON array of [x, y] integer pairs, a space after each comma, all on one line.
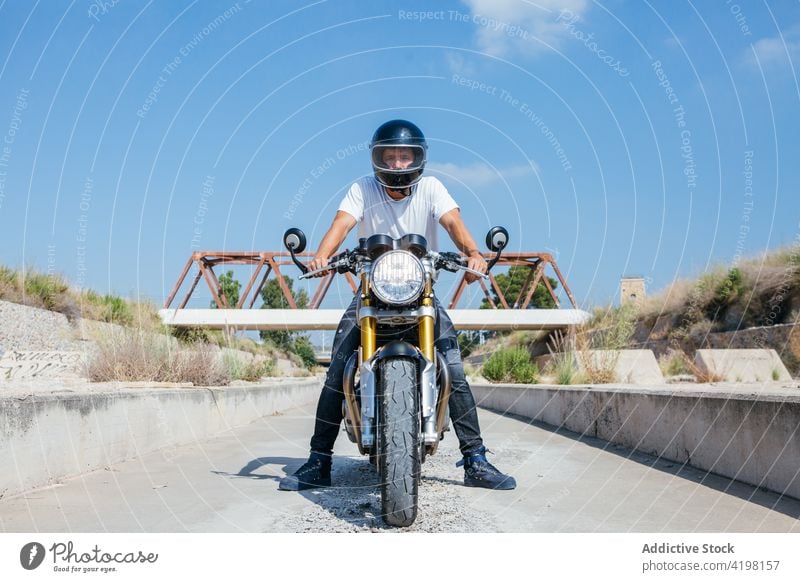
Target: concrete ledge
[[749, 433], [45, 437], [638, 367], [328, 319], [763, 365]]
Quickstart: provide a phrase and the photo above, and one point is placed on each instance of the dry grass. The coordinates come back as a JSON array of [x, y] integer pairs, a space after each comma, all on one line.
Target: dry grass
[[783, 257], [727, 298], [590, 354], [137, 355], [599, 367], [563, 367], [563, 364], [200, 366], [670, 300], [525, 338], [704, 376], [598, 344]]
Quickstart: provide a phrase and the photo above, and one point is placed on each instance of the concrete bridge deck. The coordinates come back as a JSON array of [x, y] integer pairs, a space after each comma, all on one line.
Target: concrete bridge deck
[[227, 481], [566, 484]]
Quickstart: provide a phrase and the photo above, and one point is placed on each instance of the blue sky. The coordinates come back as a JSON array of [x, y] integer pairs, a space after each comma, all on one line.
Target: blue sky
[[650, 138]]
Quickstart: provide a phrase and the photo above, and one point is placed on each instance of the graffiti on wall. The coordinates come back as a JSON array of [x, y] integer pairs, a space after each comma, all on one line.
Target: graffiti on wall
[[17, 364]]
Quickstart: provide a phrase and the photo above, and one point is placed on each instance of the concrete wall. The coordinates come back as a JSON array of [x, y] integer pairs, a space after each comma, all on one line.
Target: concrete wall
[[44, 438], [30, 328], [783, 338], [753, 436]]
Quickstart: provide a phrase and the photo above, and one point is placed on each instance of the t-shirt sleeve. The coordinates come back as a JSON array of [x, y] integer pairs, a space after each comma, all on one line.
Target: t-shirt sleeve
[[441, 201], [353, 202]]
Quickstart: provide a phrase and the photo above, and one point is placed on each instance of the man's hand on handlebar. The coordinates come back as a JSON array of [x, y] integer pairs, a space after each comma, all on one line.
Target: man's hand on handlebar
[[476, 262], [316, 264]]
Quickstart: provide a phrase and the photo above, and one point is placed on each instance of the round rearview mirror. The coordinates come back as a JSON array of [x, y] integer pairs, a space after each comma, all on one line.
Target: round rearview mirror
[[294, 240], [497, 238]]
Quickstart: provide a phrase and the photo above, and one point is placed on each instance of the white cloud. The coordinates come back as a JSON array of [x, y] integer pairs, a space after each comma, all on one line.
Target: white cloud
[[507, 26], [479, 174], [775, 51], [459, 65]]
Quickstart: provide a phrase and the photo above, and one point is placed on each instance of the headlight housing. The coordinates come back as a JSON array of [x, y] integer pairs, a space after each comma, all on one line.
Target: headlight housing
[[397, 277]]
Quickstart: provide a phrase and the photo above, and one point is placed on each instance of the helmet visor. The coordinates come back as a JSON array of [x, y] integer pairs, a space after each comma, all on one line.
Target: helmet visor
[[398, 159]]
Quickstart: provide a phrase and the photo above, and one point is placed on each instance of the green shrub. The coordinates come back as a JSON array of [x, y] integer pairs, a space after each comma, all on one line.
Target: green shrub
[[234, 365], [302, 347], [511, 365], [47, 289], [109, 308], [674, 363], [565, 367], [726, 292], [191, 335], [258, 368], [238, 368], [117, 310], [467, 341], [8, 276]]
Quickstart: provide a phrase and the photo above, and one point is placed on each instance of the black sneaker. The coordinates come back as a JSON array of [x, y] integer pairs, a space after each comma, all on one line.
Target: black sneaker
[[478, 472], [316, 472]]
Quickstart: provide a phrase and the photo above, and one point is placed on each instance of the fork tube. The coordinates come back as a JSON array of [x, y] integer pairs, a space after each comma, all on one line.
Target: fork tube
[[426, 324], [368, 324]]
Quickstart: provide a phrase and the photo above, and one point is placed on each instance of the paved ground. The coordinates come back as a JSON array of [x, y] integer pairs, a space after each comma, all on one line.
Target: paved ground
[[566, 484]]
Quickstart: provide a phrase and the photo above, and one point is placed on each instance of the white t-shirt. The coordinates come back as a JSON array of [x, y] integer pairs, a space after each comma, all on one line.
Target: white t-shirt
[[377, 213]]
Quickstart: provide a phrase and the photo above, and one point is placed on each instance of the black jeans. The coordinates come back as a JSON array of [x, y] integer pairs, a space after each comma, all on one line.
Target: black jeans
[[348, 337]]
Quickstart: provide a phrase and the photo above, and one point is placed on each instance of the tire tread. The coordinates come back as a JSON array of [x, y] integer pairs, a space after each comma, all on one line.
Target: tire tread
[[399, 462]]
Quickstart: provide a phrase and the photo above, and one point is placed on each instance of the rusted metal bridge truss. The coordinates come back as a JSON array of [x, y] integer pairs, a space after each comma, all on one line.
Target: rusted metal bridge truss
[[267, 263]]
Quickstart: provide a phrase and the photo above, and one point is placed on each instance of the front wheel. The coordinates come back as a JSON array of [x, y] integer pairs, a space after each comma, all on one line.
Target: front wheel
[[399, 440]]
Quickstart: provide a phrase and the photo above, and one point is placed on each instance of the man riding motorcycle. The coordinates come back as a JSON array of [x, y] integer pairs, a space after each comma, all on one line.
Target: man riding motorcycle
[[397, 200]]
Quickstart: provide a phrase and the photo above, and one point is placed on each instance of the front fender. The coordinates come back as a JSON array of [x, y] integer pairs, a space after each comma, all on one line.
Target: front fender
[[397, 349]]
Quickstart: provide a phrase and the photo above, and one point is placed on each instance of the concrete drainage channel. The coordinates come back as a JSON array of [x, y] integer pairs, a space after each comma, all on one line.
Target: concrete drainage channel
[[744, 432], [750, 433], [48, 436]]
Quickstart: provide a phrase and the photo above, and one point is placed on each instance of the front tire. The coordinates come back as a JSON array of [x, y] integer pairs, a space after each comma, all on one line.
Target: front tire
[[399, 440]]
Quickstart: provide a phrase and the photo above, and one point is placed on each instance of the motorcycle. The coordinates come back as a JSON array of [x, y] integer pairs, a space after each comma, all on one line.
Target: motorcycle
[[396, 384]]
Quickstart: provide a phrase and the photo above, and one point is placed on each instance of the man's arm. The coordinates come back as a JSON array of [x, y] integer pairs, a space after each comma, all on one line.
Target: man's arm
[[342, 224], [455, 227]]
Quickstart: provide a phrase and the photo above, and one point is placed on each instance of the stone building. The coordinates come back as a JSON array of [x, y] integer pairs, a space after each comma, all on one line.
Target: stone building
[[631, 290]]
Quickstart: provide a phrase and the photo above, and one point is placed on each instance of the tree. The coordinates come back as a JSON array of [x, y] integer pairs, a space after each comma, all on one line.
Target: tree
[[511, 284], [230, 289], [273, 299]]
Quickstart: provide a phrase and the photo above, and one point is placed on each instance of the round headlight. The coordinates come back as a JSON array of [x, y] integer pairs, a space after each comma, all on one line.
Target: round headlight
[[397, 277]]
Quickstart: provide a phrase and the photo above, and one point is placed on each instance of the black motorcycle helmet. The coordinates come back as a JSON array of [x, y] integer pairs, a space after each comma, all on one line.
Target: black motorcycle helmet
[[398, 139]]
